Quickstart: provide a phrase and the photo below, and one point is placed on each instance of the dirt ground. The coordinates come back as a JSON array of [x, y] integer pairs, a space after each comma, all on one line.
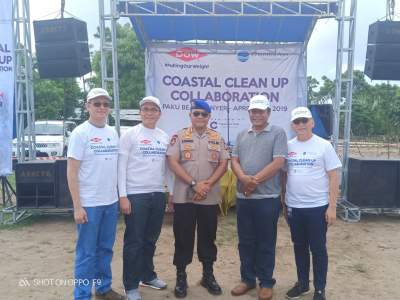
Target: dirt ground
[[37, 260]]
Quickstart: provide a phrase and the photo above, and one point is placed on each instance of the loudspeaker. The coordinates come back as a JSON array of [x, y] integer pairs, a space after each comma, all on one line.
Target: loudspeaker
[[382, 70], [386, 32], [35, 184], [66, 50], [42, 184], [61, 48], [373, 183], [64, 68], [64, 197], [323, 119], [383, 51]]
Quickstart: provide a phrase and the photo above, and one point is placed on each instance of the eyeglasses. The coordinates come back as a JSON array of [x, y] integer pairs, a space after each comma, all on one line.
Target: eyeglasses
[[98, 104], [200, 113], [149, 110], [300, 120]]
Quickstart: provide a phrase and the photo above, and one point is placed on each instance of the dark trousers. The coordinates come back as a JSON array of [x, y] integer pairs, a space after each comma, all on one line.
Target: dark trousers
[[308, 228], [143, 227], [257, 230], [186, 217]]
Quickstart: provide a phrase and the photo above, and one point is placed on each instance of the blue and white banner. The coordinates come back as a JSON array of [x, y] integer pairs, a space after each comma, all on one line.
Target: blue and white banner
[[6, 86], [227, 77]]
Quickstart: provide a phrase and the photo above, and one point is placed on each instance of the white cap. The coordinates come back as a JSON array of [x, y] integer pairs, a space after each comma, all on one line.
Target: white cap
[[97, 92], [150, 99], [300, 112], [259, 102]]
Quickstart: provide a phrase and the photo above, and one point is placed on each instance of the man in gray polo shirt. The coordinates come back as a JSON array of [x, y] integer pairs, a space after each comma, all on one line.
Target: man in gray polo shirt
[[257, 159]]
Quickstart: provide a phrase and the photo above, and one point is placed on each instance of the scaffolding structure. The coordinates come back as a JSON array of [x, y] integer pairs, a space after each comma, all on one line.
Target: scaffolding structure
[[337, 9], [343, 11], [24, 99], [108, 45], [322, 8]]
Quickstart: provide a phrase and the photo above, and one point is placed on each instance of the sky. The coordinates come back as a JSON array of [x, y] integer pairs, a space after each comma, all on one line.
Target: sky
[[321, 48]]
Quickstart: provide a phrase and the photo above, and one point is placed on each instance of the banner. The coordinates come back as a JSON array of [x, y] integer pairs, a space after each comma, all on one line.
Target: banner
[[227, 77], [6, 86]]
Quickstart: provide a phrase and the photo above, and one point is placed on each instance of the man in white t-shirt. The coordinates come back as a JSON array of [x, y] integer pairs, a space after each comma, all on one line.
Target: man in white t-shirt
[[92, 180], [311, 192], [141, 183]]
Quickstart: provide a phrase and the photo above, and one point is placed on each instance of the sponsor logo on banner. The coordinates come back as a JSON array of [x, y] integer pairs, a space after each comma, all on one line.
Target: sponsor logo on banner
[[243, 56], [95, 140], [213, 125], [187, 54]]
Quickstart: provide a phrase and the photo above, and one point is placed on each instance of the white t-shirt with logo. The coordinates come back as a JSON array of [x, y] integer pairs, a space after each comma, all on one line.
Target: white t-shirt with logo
[[308, 163], [97, 150], [142, 161]]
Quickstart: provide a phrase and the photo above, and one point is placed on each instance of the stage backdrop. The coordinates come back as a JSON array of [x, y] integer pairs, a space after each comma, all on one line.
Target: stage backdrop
[[6, 86], [227, 78]]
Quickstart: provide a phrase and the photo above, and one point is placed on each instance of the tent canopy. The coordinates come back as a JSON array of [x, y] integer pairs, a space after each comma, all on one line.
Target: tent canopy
[[248, 21]]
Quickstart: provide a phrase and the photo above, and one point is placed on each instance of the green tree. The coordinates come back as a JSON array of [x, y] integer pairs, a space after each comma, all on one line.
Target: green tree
[[55, 99], [385, 108], [326, 93], [375, 108], [130, 67], [312, 84]]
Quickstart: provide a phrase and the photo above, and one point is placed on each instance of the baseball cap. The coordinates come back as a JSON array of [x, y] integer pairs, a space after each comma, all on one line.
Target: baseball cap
[[201, 104], [300, 112], [150, 99], [97, 92], [259, 102]]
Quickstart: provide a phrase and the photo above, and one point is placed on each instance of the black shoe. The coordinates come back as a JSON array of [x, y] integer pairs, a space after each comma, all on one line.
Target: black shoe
[[181, 285], [208, 281], [296, 291], [319, 295]]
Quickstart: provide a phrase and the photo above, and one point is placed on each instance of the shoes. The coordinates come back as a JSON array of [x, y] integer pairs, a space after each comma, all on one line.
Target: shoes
[[319, 295], [298, 290], [265, 293], [156, 283], [208, 281], [110, 295], [181, 285], [133, 295], [241, 289]]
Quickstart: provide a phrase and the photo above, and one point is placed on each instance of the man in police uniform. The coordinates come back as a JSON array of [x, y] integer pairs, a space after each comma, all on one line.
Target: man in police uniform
[[198, 157]]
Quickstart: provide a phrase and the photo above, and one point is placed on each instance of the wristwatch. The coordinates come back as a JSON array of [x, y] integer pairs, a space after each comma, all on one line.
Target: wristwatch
[[193, 183]]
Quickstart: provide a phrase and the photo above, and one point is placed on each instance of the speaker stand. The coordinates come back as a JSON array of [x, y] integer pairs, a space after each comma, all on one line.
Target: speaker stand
[[9, 207], [348, 211], [7, 192]]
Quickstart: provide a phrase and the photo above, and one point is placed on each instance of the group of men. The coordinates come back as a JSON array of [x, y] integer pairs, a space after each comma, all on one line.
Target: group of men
[[106, 172]]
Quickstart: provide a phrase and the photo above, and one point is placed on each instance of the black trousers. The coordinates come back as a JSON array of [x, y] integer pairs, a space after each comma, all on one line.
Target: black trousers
[[143, 227], [186, 217]]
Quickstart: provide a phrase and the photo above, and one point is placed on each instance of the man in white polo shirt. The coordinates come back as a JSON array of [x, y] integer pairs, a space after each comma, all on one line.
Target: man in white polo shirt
[[311, 192], [92, 181]]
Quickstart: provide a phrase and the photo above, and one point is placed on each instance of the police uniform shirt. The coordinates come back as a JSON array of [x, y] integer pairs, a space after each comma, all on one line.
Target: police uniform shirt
[[199, 155]]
